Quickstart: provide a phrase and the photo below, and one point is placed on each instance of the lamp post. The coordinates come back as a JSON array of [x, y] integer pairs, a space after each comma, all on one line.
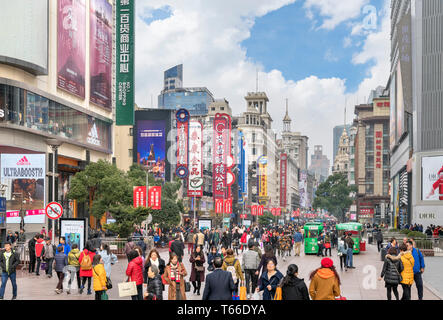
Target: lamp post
[[54, 144]]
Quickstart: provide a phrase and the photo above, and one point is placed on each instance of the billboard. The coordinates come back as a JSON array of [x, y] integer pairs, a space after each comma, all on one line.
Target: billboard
[[24, 175], [400, 107], [220, 155], [151, 146], [392, 113], [182, 143], [25, 45], [303, 189], [75, 231], [100, 50], [283, 179], [432, 178], [125, 36], [71, 46], [195, 180], [262, 177]]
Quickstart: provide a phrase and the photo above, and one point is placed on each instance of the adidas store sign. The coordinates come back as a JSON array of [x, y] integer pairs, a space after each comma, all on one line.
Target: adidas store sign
[[2, 113], [93, 136]]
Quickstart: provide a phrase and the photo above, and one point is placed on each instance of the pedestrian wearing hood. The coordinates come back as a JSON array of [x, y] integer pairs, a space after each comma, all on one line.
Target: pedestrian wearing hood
[[325, 281], [134, 271], [293, 288], [408, 270], [391, 272], [269, 281]]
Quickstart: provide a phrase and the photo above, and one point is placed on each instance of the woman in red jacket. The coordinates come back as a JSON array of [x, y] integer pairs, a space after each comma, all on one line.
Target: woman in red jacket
[[134, 271], [86, 266]]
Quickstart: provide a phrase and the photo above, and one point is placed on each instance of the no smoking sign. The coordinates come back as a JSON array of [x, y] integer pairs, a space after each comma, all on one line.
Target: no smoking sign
[[54, 210]]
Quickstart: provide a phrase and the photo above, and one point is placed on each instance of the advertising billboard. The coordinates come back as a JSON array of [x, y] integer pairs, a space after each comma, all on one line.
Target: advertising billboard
[[151, 146], [100, 47], [25, 45], [125, 26], [432, 178], [195, 180], [204, 224], [74, 230], [283, 179], [24, 175], [400, 123], [392, 113], [220, 154], [262, 177], [242, 164], [71, 46]]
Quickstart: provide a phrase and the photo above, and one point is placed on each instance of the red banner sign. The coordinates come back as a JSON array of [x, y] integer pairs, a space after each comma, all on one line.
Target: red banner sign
[[139, 196], [260, 210], [254, 210], [228, 206], [182, 139], [366, 211], [219, 206], [283, 179], [278, 212], [195, 179], [155, 198]]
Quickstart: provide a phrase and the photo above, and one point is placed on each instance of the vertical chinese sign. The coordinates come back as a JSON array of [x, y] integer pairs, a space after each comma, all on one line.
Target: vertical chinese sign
[[283, 179], [125, 38], [100, 49], [182, 116], [378, 149], [71, 46], [195, 179], [262, 179], [155, 198], [139, 196]]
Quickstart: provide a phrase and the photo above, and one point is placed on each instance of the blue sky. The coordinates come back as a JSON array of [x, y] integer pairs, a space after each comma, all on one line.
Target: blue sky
[[287, 40]]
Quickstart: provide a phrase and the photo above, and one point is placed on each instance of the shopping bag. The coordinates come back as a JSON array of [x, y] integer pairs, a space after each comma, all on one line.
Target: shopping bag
[[127, 289], [278, 294], [256, 296], [43, 266], [104, 296], [242, 294], [341, 298], [235, 297]]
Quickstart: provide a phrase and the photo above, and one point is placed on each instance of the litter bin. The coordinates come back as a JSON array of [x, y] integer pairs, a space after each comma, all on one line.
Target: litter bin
[[370, 238], [383, 253]]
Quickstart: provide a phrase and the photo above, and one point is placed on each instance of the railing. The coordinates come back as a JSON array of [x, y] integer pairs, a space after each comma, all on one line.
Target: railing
[[117, 245]]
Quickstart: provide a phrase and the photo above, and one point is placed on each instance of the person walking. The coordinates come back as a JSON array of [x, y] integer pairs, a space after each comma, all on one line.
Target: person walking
[[153, 258], [419, 267], [174, 276], [211, 256], [155, 286], [270, 279], [85, 259], [232, 265], [197, 260], [142, 245], [298, 239], [39, 250], [408, 270], [327, 244], [100, 277], [268, 255], [66, 247], [73, 267], [325, 281], [190, 240], [342, 251], [9, 260], [129, 246], [219, 284], [379, 238], [391, 272], [134, 271], [293, 288], [178, 247], [32, 257], [109, 259], [320, 244], [250, 263], [349, 251], [49, 251], [61, 261]]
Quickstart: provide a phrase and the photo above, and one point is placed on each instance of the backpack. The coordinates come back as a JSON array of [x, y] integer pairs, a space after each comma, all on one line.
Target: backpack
[[86, 263], [231, 269]]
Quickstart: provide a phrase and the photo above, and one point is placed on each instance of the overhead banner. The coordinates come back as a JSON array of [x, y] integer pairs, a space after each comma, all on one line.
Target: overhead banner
[[182, 117], [254, 210], [139, 196], [260, 210], [219, 206], [262, 178], [303, 189], [125, 38], [151, 146], [155, 198], [100, 47], [71, 46], [24, 176], [283, 179], [195, 180], [228, 206]]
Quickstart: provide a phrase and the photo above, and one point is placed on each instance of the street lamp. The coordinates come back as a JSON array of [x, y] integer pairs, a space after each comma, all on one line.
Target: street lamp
[[54, 144]]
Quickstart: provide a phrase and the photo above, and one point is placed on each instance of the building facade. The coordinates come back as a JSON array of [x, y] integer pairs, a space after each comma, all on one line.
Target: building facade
[[341, 161], [320, 164], [337, 133]]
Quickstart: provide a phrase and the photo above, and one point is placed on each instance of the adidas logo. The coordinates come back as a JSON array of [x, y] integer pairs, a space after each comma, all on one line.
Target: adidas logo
[[93, 136], [24, 162]]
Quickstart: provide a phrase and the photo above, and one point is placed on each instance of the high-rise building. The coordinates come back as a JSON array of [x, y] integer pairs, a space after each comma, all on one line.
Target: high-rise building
[[319, 164], [416, 99], [174, 96]]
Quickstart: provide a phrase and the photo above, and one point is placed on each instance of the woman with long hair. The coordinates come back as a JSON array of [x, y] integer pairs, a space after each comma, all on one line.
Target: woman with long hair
[[269, 281], [153, 258], [391, 272], [325, 281], [174, 276], [197, 269], [293, 288], [268, 255]]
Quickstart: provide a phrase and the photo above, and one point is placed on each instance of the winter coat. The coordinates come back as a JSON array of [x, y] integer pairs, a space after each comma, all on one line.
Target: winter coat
[[14, 261], [243, 238], [229, 261], [155, 288], [66, 248], [379, 236], [273, 282], [324, 285], [161, 268], [177, 246], [419, 260], [391, 271], [135, 270], [108, 260], [342, 247], [408, 268], [49, 251], [99, 277], [73, 257], [226, 240], [264, 262], [172, 294], [250, 260], [194, 274], [31, 246], [86, 273], [212, 256], [294, 289], [200, 238], [61, 261], [298, 237]]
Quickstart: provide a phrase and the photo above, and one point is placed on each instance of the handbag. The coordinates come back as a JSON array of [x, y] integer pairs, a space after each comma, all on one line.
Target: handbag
[[127, 289], [199, 268], [187, 286], [278, 294], [43, 266], [104, 296], [108, 283]]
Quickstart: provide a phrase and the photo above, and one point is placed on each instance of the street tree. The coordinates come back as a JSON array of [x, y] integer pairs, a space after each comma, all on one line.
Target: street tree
[[334, 195]]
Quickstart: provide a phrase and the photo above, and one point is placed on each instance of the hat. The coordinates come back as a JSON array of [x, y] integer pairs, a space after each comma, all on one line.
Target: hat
[[326, 263]]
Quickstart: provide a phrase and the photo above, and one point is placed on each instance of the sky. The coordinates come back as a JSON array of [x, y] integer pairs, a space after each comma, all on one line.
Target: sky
[[318, 54]]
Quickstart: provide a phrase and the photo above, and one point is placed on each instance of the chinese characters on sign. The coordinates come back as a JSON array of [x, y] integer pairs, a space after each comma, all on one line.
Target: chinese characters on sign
[[125, 62], [220, 152], [139, 197], [155, 198], [378, 149], [182, 117], [283, 177], [195, 180]]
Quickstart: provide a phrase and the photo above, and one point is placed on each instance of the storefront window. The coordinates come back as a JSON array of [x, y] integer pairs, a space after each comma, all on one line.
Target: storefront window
[[39, 113]]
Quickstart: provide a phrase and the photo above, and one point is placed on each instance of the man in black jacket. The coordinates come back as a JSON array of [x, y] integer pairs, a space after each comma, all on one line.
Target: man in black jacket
[[32, 257], [178, 247], [219, 284], [9, 260]]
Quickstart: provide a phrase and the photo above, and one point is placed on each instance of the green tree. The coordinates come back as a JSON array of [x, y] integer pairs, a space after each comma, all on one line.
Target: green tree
[[266, 219], [334, 195]]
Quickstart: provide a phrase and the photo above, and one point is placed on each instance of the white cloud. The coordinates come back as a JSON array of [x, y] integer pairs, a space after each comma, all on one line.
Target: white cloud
[[335, 12], [347, 42], [206, 37], [329, 56]]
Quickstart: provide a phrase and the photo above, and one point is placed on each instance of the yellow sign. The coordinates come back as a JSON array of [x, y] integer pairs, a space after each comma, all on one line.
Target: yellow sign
[[263, 178]]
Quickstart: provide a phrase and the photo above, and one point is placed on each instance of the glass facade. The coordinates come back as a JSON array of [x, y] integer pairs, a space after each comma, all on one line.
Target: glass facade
[[196, 102], [30, 110]]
